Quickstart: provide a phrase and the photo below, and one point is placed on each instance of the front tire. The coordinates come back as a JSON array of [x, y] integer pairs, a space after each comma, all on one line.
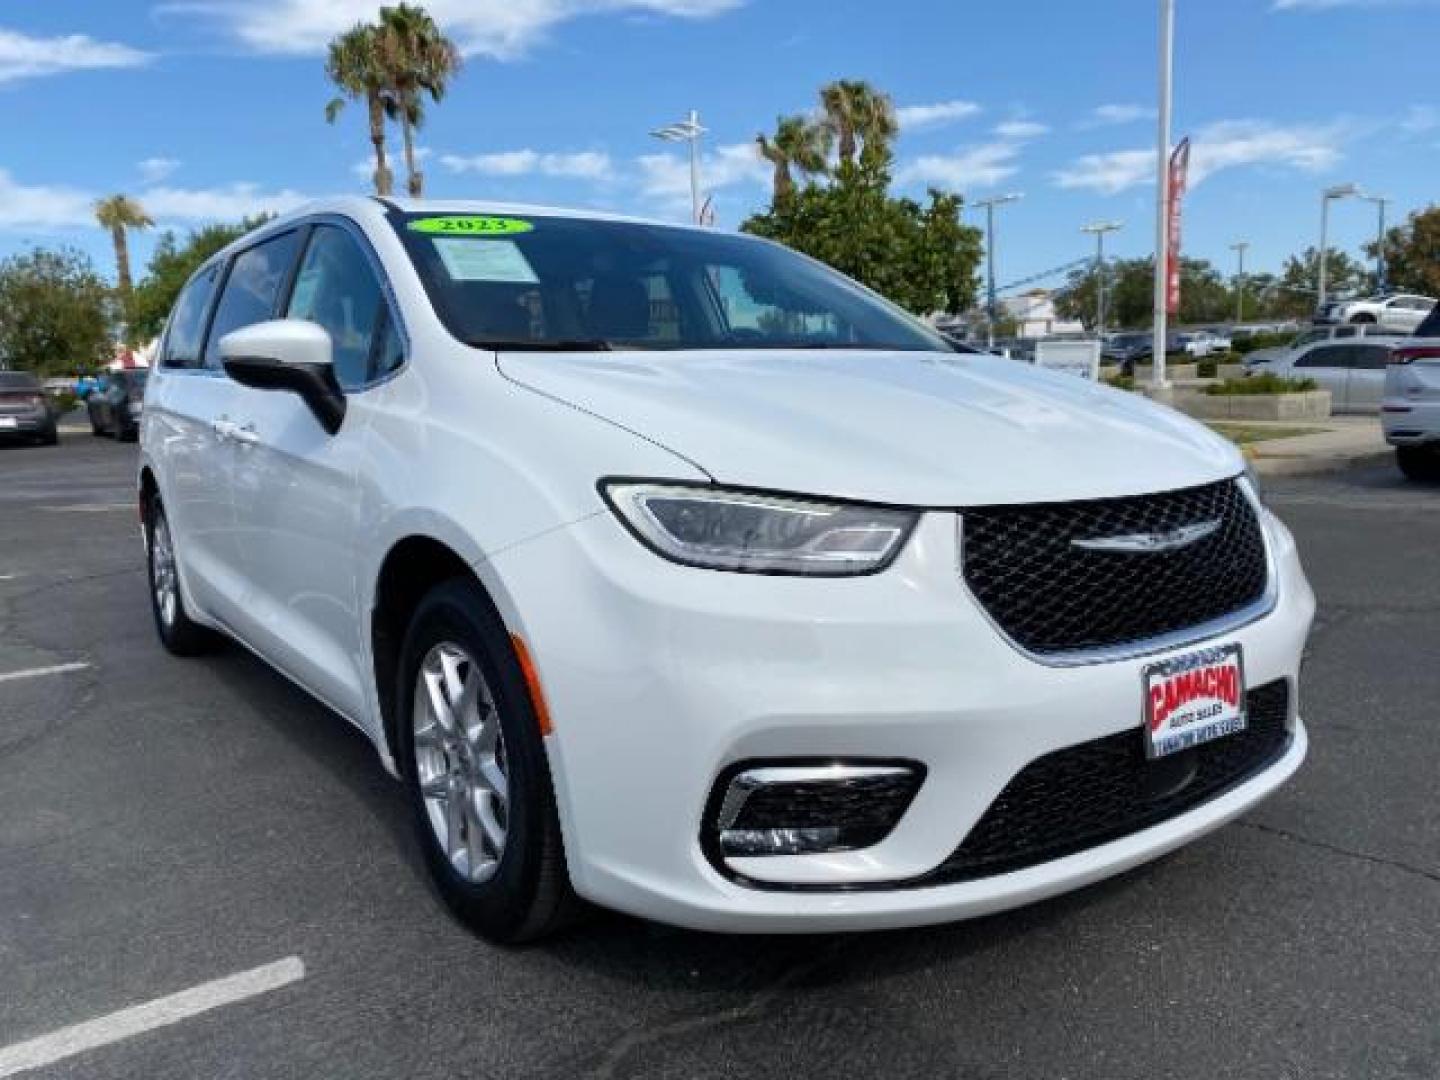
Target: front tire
[[476, 770], [1419, 463], [178, 632]]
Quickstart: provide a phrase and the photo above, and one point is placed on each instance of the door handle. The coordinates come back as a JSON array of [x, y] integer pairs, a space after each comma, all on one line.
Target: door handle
[[245, 436]]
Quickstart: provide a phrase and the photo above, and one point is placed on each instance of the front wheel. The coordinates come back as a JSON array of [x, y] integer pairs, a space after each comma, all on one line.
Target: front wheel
[[476, 771], [1420, 463]]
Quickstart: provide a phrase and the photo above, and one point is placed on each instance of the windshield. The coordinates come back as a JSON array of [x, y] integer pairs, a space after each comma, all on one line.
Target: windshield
[[577, 284]]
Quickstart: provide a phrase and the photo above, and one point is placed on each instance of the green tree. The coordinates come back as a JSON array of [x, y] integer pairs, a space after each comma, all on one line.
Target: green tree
[[418, 60], [54, 312], [860, 117], [117, 214], [1130, 294], [1299, 283], [356, 65], [171, 266], [799, 144], [1412, 253]]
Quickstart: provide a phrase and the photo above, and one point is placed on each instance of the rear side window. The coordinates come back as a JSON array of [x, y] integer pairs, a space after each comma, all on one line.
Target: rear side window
[[1369, 357], [337, 289], [187, 321], [1326, 356], [251, 290]]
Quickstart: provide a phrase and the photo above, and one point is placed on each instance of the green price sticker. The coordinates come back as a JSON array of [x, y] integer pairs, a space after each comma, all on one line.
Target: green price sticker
[[470, 226]]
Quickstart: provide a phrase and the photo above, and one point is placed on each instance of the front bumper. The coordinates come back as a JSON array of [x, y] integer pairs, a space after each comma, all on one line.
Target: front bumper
[[659, 676]]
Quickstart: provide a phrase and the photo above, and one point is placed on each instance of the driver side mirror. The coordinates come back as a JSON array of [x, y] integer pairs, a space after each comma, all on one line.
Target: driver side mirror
[[288, 354]]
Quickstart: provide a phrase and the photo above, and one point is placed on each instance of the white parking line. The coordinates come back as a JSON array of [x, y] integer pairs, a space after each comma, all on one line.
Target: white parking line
[[138, 1019], [36, 672], [89, 508]]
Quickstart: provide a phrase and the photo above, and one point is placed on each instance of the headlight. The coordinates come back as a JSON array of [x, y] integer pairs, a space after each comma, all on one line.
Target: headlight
[[724, 529]]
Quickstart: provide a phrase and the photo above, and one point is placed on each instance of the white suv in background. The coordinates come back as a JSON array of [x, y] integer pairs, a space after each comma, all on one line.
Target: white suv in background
[[1400, 313], [1410, 413], [672, 569]]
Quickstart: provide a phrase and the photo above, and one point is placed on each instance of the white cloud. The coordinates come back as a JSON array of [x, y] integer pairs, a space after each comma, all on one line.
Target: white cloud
[[23, 57], [23, 206], [1420, 119], [919, 117], [155, 169], [1225, 145], [497, 28], [1112, 115], [365, 169], [665, 178], [580, 165], [979, 166], [1020, 130], [229, 202]]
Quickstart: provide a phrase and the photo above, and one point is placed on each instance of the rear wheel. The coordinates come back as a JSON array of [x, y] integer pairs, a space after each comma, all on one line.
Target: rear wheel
[[178, 632], [1421, 463], [476, 771]]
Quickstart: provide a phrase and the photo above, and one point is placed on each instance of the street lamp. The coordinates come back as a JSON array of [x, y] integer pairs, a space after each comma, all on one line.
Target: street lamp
[[687, 130], [1162, 187], [1099, 229], [1339, 191], [1379, 201], [1239, 247], [989, 205]]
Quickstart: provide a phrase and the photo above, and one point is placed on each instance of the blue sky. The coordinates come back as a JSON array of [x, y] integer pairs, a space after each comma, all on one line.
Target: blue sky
[[208, 109]]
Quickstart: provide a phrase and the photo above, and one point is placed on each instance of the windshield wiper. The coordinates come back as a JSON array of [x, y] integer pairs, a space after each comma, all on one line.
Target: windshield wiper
[[530, 345]]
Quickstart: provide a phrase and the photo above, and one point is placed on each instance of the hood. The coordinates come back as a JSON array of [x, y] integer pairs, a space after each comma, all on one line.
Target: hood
[[920, 429]]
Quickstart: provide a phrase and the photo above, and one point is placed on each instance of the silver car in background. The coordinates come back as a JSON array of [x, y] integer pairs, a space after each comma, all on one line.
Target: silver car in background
[[1352, 370]]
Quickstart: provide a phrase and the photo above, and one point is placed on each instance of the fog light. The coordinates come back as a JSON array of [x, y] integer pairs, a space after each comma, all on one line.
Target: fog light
[[808, 809]]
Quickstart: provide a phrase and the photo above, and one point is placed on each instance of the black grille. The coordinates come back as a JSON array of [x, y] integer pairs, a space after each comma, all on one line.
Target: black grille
[[1051, 597], [1086, 795]]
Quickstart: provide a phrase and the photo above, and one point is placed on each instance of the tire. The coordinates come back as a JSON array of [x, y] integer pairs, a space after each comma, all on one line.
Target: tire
[[95, 428], [503, 874], [178, 632], [51, 437], [1419, 463]]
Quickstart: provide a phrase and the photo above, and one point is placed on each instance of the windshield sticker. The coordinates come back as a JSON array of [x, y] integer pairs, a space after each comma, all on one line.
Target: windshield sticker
[[470, 226], [499, 261]]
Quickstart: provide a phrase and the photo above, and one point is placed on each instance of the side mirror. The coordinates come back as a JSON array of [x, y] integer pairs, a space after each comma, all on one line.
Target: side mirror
[[288, 354]]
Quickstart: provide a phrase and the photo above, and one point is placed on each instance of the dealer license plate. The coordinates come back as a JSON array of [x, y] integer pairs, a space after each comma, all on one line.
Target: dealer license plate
[[1193, 699], [8, 423]]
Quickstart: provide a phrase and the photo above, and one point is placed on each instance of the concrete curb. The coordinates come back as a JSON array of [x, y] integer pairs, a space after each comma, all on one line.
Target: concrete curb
[[1321, 464]]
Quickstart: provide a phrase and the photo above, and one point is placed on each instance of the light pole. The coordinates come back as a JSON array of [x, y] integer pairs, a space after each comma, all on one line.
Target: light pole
[[1379, 201], [1162, 188], [1339, 191], [989, 205], [1099, 229], [1239, 248], [687, 130]]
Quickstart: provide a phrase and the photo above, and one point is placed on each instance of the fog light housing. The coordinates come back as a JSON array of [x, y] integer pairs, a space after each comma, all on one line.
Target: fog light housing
[[761, 809]]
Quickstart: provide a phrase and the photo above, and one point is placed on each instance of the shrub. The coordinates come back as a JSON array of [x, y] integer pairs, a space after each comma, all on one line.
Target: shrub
[[1260, 384], [1241, 346], [62, 401], [1207, 368], [1120, 382]]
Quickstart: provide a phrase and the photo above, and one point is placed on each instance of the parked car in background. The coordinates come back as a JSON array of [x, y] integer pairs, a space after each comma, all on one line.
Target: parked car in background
[[1201, 343], [759, 609], [24, 409], [1259, 358], [1401, 313], [1410, 411], [116, 408], [1128, 349], [1353, 371]]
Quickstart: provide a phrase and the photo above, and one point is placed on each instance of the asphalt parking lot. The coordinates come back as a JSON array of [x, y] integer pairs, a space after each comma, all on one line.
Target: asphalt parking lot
[[166, 823]]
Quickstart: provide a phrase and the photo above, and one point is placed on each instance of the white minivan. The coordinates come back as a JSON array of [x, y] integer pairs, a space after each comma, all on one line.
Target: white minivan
[[672, 570]]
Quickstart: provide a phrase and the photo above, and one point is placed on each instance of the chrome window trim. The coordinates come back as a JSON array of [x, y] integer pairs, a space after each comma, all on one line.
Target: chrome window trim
[[1191, 635]]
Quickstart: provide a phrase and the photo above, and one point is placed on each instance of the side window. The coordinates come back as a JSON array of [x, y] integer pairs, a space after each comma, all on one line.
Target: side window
[[1369, 357], [187, 322], [251, 289], [1326, 356], [337, 290]]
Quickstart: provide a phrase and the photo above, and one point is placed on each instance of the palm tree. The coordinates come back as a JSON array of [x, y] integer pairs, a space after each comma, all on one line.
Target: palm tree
[[799, 143], [356, 65], [856, 113], [119, 213], [418, 60]]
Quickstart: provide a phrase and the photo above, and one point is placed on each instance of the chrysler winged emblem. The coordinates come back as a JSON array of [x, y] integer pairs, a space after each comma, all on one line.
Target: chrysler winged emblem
[[1149, 543]]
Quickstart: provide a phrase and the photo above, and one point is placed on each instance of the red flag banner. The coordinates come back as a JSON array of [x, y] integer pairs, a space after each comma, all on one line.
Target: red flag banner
[[1179, 174]]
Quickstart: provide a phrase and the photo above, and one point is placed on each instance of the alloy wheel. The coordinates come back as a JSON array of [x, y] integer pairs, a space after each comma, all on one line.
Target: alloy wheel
[[162, 571]]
